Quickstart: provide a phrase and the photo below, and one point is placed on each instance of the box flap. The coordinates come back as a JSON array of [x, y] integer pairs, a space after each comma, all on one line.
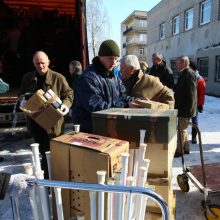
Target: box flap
[[90, 141]]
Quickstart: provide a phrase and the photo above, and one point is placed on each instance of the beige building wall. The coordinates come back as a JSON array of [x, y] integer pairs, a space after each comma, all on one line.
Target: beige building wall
[[134, 35], [202, 41]]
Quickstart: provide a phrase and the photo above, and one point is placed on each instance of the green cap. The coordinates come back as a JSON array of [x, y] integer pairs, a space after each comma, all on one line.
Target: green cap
[[109, 48]]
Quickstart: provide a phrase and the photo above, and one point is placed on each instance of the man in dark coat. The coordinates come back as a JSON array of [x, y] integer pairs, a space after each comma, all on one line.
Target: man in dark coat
[[185, 101], [160, 70], [45, 79], [99, 88]]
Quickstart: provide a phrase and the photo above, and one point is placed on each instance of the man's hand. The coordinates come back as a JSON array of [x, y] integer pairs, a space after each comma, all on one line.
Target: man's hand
[[134, 104], [64, 109], [200, 108]]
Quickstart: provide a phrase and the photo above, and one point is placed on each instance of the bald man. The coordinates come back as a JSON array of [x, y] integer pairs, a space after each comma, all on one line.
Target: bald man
[[44, 78]]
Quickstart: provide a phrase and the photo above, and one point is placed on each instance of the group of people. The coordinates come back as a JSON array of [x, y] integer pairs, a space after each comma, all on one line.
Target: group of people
[[98, 88]]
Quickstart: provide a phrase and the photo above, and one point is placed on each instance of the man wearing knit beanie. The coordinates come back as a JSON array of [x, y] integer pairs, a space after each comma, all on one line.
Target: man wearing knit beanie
[[99, 88]]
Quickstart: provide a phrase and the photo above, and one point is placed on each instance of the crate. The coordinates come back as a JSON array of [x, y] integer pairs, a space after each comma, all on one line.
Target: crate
[[152, 104]]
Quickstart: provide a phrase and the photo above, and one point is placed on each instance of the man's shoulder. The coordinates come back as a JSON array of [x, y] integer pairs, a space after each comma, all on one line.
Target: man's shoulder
[[29, 75]]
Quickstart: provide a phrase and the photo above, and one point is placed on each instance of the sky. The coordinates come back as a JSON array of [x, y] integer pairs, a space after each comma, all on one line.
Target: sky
[[119, 10]]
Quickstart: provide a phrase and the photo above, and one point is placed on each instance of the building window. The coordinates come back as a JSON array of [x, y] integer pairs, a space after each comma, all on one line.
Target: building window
[[143, 37], [203, 66], [217, 71], [189, 19], [141, 51], [162, 31], [205, 12], [176, 25]]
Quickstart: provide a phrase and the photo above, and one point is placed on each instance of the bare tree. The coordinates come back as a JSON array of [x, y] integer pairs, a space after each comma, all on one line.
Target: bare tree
[[97, 25]]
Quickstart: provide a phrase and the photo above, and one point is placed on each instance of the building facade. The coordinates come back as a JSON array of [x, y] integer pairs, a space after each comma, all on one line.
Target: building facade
[[134, 35], [180, 27]]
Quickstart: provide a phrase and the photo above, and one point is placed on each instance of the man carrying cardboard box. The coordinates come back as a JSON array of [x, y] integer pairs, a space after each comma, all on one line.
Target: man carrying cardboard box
[[45, 79], [142, 85]]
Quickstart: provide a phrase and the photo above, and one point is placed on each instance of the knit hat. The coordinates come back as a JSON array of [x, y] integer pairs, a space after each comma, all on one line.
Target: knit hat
[[109, 48]]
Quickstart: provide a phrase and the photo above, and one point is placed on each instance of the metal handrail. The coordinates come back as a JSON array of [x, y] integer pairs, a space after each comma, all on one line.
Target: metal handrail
[[104, 188]]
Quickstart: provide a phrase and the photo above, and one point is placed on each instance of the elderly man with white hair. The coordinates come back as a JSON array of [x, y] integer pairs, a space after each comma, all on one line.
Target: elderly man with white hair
[[44, 78], [142, 85]]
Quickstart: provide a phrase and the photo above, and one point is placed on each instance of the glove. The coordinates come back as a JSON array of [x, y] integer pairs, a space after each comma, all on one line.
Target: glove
[[64, 109], [200, 108]]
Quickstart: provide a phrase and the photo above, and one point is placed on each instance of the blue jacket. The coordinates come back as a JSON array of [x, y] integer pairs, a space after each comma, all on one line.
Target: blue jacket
[[97, 89]]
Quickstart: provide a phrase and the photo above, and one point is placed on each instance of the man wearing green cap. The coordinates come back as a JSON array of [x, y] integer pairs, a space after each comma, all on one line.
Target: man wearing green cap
[[99, 88]]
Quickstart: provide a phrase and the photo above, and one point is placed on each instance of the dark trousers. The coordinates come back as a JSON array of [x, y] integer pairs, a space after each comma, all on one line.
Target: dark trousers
[[195, 121], [42, 138]]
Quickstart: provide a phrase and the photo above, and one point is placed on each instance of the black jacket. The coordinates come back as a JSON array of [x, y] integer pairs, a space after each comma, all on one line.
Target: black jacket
[[96, 90], [186, 94], [164, 73]]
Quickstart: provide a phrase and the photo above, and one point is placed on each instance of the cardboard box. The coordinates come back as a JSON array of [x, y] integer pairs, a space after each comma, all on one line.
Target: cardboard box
[[160, 135], [163, 187], [125, 124], [152, 104], [77, 157], [41, 110]]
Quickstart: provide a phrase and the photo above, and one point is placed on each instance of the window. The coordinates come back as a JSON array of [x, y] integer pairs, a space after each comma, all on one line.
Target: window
[[205, 12], [203, 66], [176, 25], [217, 69], [189, 19], [162, 31], [141, 51], [143, 37]]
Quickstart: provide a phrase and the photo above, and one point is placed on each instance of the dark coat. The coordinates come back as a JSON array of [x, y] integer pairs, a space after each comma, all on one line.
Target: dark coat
[[186, 94], [58, 84], [164, 73], [96, 90], [146, 86]]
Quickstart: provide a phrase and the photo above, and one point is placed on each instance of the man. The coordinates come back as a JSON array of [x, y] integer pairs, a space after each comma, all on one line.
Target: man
[[201, 88], [185, 102], [160, 70], [75, 70], [99, 88], [44, 78], [138, 84]]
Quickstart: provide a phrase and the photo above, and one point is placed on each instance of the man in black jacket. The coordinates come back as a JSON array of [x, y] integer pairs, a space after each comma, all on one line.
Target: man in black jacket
[[99, 88], [160, 70], [185, 102]]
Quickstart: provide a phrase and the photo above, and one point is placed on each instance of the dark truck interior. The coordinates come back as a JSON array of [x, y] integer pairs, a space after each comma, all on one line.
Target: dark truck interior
[[57, 27]]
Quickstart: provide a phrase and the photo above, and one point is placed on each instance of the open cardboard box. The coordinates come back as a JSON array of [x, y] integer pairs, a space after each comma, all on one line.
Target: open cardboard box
[[77, 157], [41, 110]]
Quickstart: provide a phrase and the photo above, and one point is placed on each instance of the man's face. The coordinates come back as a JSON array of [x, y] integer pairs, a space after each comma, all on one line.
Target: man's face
[[71, 69], [41, 63], [178, 65], [108, 61], [156, 61], [125, 70]]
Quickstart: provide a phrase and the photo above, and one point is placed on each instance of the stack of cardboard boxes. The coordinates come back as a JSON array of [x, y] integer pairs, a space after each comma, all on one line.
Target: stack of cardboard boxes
[[160, 126]]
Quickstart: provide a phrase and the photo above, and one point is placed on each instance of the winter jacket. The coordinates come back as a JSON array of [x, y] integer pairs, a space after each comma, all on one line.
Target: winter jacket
[[53, 81], [201, 88], [96, 90], [146, 86], [164, 73], [186, 94]]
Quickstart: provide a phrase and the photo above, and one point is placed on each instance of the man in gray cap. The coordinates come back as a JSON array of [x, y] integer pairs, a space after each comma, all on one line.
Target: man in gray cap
[[99, 88]]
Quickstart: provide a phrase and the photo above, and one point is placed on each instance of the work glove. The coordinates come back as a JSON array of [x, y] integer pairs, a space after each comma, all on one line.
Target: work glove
[[64, 109], [200, 108]]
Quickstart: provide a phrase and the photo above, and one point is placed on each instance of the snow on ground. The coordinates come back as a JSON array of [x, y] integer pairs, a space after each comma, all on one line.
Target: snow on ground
[[188, 206]]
